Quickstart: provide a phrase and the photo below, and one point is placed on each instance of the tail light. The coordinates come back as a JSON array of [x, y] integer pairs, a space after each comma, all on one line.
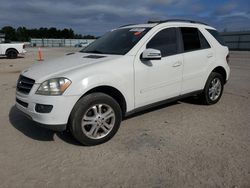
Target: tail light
[[227, 58]]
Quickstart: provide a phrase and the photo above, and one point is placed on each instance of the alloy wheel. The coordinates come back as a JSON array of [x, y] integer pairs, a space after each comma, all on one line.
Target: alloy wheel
[[98, 121], [214, 90]]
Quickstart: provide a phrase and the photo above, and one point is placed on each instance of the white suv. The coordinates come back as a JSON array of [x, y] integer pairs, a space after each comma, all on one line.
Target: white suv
[[128, 69]]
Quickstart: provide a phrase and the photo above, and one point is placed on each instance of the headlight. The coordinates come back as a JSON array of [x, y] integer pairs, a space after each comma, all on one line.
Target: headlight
[[54, 86]]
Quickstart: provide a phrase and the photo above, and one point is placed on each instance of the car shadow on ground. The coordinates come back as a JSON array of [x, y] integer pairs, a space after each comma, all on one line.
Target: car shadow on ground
[[18, 57], [32, 130], [195, 100]]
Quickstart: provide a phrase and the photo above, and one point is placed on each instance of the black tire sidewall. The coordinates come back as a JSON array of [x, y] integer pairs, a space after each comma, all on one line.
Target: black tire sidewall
[[213, 75], [11, 54], [82, 106]]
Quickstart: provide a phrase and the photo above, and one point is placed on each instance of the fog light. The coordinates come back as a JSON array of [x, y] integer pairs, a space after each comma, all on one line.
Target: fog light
[[43, 108]]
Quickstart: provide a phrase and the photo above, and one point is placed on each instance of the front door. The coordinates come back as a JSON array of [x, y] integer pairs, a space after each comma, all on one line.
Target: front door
[[157, 80]]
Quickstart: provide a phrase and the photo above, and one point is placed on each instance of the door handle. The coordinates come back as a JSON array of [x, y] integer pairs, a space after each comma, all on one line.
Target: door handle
[[209, 55], [177, 64]]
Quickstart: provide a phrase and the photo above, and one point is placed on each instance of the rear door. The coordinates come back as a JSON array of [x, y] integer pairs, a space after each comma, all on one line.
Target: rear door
[[197, 56]]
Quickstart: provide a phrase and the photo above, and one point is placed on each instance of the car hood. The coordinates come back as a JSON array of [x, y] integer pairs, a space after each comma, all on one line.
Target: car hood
[[41, 71]]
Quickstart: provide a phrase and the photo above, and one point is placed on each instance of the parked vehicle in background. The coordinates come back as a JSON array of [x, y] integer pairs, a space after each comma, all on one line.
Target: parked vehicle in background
[[11, 50], [81, 44], [128, 69]]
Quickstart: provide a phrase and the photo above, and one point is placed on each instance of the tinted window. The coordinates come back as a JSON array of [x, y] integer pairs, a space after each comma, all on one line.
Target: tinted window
[[217, 36], [203, 41], [118, 41], [190, 38], [165, 41]]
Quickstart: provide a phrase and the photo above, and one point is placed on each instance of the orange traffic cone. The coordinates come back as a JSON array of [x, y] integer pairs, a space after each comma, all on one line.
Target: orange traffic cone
[[40, 56]]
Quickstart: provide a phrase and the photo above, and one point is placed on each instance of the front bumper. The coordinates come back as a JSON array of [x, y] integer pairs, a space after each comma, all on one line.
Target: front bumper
[[59, 115], [51, 127]]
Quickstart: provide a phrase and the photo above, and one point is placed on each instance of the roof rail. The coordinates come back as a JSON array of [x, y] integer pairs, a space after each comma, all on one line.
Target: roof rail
[[176, 20], [126, 25]]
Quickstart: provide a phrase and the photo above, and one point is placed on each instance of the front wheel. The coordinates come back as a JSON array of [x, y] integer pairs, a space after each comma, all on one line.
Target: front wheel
[[213, 89], [95, 119]]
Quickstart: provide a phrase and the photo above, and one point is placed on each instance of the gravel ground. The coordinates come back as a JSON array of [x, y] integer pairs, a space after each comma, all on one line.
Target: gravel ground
[[182, 144]]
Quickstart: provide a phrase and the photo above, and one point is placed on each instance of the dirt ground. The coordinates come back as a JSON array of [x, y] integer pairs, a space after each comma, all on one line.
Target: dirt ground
[[182, 144]]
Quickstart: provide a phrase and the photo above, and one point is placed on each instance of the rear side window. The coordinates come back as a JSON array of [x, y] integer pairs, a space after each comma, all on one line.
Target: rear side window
[[217, 36], [165, 41], [193, 39]]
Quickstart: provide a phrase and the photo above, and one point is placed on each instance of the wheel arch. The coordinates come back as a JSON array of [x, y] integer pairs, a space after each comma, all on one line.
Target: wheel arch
[[221, 71], [9, 49], [111, 91]]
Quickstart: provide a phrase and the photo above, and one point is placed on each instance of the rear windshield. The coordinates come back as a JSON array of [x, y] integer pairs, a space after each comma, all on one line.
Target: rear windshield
[[217, 36], [118, 41]]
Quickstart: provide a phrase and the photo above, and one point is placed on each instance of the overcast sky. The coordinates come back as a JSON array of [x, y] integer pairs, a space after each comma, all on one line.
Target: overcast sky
[[98, 16]]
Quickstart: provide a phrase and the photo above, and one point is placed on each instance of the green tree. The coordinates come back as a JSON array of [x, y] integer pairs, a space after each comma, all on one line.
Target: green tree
[[10, 33], [89, 37], [22, 34]]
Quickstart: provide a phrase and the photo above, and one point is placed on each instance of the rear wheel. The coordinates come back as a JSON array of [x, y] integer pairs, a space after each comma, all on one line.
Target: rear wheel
[[11, 54], [213, 89], [95, 119]]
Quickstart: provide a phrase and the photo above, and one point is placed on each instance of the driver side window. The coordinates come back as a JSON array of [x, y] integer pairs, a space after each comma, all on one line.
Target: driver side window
[[165, 41]]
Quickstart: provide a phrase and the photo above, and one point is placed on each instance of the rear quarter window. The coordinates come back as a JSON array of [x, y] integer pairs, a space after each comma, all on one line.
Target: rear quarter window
[[217, 36], [193, 39]]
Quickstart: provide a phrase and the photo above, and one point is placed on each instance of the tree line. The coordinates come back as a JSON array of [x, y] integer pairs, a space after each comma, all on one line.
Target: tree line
[[24, 34]]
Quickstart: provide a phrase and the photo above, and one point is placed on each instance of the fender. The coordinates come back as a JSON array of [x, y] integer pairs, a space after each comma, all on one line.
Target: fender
[[119, 82], [217, 65], [221, 54], [11, 49]]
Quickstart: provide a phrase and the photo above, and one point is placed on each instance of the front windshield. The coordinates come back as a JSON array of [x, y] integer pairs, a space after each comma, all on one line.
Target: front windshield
[[118, 41]]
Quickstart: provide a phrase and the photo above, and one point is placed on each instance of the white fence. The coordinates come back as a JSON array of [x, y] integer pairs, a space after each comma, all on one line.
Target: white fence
[[38, 42]]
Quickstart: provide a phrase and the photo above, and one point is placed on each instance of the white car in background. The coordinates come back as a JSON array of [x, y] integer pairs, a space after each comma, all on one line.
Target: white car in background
[[81, 44], [128, 69], [11, 50]]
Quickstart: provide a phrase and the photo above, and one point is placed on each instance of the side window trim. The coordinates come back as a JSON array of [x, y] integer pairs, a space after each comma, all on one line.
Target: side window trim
[[180, 41]]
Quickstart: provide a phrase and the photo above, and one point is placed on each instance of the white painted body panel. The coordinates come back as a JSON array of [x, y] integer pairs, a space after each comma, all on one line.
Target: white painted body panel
[[141, 83], [18, 46], [194, 69], [157, 80], [85, 73]]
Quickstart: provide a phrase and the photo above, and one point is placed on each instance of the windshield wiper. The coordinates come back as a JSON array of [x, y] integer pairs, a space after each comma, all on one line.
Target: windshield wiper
[[93, 51]]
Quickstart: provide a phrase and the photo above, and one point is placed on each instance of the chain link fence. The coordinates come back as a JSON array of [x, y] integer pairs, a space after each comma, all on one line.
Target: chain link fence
[[38, 42], [237, 40]]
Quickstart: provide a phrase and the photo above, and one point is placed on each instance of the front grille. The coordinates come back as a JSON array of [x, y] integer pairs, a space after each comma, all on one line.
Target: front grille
[[24, 104], [24, 84]]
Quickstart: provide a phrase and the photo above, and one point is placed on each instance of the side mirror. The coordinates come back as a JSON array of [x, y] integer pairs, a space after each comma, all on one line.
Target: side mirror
[[151, 54]]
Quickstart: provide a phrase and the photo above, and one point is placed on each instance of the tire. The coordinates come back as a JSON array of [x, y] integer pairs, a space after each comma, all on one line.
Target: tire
[[213, 89], [95, 119], [11, 54]]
